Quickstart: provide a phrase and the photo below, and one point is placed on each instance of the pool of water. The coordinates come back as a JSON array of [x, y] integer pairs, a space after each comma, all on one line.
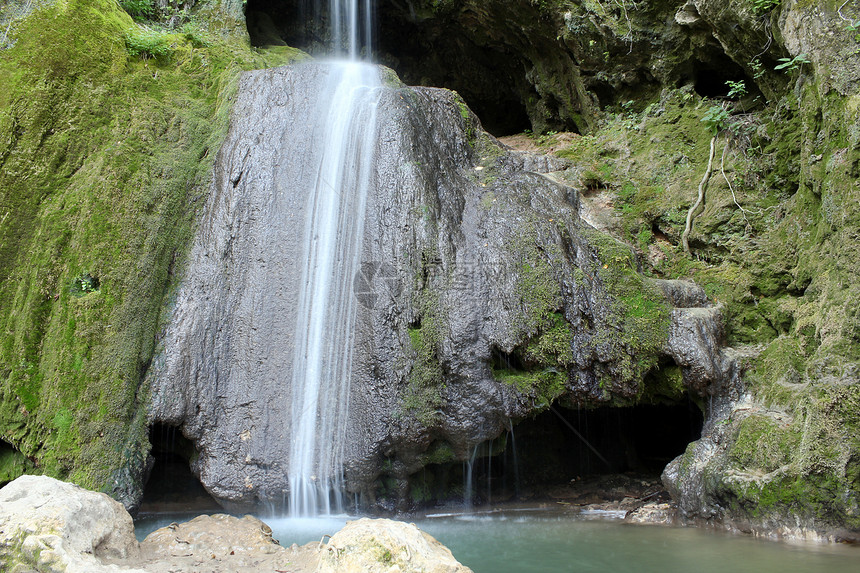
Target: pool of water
[[535, 541]]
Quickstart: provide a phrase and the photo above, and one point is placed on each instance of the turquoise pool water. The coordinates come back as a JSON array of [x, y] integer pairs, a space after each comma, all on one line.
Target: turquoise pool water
[[542, 541]]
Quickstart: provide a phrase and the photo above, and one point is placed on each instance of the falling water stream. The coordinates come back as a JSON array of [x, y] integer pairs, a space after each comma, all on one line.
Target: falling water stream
[[345, 130]]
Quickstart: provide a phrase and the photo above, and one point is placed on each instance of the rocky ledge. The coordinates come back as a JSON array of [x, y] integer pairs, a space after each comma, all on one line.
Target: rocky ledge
[[51, 526]]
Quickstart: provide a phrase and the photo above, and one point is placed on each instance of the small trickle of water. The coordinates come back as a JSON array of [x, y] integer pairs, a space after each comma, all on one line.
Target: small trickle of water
[[516, 461], [469, 480]]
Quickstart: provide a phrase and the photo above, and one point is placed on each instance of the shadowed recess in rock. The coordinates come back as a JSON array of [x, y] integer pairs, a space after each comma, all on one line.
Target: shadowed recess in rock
[[558, 448], [170, 485], [490, 77]]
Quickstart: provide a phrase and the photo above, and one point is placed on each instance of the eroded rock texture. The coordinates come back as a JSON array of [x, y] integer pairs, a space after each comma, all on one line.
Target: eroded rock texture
[[483, 298]]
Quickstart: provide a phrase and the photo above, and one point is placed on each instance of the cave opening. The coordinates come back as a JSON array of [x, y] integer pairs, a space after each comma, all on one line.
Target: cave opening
[[640, 439], [12, 463], [424, 51], [711, 76], [568, 453], [171, 486]]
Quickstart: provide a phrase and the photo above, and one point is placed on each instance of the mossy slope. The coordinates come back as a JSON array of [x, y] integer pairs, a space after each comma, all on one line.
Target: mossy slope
[[776, 246], [103, 157]]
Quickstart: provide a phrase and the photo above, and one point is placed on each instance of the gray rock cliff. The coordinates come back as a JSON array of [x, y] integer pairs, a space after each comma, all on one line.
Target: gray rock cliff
[[483, 297]]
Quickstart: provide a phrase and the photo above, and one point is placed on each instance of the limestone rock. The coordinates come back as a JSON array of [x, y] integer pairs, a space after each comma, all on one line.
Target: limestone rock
[[218, 535], [223, 544], [386, 545], [687, 15], [653, 513], [47, 525]]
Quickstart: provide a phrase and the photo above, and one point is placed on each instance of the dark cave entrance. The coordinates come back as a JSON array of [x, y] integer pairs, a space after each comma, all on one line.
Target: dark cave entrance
[[561, 444], [711, 74], [434, 52], [12, 463], [171, 486], [568, 453]]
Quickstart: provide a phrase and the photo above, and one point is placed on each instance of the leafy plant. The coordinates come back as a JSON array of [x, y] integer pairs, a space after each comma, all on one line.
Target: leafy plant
[[757, 68], [715, 118], [736, 89], [84, 284], [762, 6], [788, 65], [198, 37], [138, 9], [854, 27], [147, 43]]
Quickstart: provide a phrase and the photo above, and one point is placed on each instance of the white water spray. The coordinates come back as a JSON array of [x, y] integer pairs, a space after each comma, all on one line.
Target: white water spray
[[345, 133]]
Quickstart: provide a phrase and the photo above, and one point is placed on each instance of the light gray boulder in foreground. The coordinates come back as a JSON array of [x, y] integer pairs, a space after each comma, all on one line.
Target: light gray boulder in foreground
[[50, 526], [386, 545]]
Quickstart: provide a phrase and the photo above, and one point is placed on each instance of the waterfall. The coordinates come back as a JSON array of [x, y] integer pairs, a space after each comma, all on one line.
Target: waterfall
[[345, 123]]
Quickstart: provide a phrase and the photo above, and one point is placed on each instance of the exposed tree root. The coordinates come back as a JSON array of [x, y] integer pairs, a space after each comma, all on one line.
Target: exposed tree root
[[691, 214]]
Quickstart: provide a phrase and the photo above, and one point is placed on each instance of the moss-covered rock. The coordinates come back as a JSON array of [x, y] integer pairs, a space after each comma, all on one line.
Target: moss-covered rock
[[105, 150]]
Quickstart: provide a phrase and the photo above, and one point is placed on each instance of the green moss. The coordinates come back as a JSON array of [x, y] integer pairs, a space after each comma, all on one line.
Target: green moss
[[638, 325], [816, 498], [12, 464], [663, 385], [763, 444], [553, 344], [423, 397], [537, 286], [469, 121], [439, 453], [544, 386], [103, 159], [803, 463]]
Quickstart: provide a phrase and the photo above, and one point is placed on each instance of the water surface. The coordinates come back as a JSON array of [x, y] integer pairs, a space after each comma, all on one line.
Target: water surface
[[515, 542]]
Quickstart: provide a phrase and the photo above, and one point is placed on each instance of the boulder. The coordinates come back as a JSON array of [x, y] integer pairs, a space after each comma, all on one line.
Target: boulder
[[219, 535], [386, 545], [47, 525], [221, 544]]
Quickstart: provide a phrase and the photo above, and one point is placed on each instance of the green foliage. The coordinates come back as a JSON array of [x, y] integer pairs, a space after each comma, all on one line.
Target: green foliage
[[138, 9], [854, 28], [736, 89], [84, 284], [762, 6], [148, 43], [757, 69], [789, 65], [715, 118]]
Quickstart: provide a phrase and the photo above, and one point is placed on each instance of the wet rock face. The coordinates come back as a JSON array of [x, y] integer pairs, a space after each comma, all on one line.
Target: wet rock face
[[482, 298]]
